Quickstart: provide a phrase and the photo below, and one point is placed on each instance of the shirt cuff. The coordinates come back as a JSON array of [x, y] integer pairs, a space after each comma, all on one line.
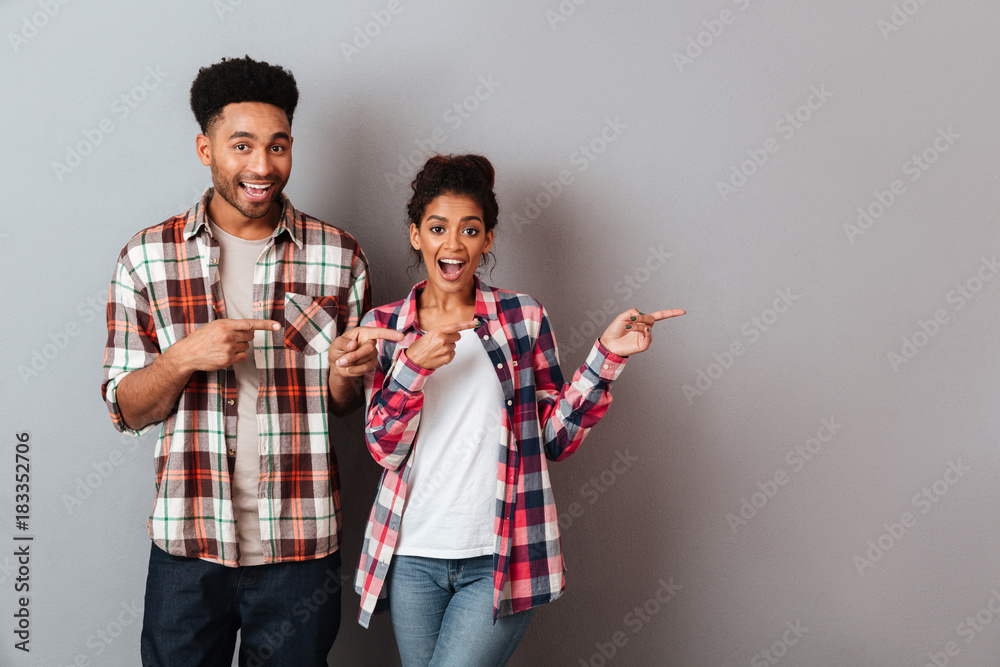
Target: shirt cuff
[[605, 363], [111, 397], [408, 375]]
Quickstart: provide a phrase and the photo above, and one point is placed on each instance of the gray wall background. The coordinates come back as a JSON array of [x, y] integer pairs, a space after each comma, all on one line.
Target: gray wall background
[[857, 537]]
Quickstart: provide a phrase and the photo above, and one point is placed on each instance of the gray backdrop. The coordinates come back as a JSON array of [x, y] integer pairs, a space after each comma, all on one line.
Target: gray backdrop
[[802, 470]]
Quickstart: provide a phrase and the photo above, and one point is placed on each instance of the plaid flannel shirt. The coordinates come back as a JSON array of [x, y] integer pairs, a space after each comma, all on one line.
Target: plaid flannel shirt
[[542, 418], [313, 279]]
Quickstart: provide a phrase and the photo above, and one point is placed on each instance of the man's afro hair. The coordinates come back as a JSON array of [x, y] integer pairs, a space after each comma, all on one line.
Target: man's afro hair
[[234, 80]]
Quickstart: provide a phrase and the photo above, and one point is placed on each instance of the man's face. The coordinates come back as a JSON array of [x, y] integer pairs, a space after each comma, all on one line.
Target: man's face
[[250, 153]]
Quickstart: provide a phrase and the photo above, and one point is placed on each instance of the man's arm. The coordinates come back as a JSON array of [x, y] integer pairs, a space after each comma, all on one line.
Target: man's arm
[[352, 355], [346, 388], [148, 395]]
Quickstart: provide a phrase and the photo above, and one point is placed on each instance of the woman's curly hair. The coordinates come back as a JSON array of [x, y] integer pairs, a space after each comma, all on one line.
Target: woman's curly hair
[[468, 175]]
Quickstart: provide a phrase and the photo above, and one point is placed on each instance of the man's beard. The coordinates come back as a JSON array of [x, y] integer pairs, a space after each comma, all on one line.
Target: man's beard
[[230, 191]]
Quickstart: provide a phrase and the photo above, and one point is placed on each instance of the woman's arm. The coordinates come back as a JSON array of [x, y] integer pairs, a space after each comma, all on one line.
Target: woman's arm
[[567, 411], [394, 401], [396, 396]]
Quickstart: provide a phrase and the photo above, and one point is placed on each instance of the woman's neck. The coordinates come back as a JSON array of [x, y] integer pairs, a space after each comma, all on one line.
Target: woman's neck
[[436, 308]]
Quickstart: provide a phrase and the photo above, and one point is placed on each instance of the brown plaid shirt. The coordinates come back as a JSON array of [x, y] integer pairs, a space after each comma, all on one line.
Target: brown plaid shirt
[[313, 279]]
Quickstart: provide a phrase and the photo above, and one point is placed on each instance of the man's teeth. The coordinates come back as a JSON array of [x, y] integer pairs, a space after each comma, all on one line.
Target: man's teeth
[[257, 188]]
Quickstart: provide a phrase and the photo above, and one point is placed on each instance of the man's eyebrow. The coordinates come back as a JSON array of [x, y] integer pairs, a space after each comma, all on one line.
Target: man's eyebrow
[[243, 134]]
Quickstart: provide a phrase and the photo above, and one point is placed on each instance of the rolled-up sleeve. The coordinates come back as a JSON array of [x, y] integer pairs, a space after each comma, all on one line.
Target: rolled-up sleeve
[[132, 342], [567, 411]]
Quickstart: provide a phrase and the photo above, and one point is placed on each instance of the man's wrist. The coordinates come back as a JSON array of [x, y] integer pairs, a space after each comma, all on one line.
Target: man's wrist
[[172, 363]]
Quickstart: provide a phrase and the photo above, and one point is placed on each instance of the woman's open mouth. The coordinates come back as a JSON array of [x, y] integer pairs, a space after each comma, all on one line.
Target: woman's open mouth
[[451, 269]]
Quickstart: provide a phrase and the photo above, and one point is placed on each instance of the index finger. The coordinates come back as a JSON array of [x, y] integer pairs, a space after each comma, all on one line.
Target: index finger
[[256, 325], [366, 334], [664, 314], [455, 327]]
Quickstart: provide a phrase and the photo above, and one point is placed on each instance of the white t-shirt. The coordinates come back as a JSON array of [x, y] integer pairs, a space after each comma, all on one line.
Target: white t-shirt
[[237, 259], [451, 502]]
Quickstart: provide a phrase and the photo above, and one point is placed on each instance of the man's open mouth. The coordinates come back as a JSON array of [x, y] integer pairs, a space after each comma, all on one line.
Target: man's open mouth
[[256, 191]]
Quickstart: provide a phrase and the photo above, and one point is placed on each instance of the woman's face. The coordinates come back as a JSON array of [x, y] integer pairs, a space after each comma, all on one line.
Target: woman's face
[[452, 239]]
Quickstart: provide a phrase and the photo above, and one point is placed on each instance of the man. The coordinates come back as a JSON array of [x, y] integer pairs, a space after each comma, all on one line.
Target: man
[[223, 327]]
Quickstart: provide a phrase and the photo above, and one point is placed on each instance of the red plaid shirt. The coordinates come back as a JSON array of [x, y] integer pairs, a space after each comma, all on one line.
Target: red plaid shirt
[[542, 418], [313, 279]]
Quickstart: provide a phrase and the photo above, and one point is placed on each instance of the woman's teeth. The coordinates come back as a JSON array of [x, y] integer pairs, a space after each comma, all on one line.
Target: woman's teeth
[[451, 267]]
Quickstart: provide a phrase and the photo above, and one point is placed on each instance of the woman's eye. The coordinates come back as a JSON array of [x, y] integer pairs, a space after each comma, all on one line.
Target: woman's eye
[[470, 231], [437, 229]]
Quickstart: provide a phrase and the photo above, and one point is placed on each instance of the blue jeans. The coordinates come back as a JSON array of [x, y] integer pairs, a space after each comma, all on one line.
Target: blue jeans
[[442, 613], [286, 613]]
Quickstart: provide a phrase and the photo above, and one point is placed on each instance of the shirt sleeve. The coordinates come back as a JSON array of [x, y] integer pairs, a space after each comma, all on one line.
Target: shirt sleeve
[[132, 343], [567, 411], [394, 397], [359, 298]]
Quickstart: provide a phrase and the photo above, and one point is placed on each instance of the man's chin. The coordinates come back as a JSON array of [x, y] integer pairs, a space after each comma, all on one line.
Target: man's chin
[[257, 212]]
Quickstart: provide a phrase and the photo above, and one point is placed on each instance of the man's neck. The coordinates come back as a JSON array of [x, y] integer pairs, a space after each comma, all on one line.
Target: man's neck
[[231, 221]]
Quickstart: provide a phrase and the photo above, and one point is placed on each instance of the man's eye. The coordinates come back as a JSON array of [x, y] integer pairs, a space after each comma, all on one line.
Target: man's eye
[[240, 147], [277, 149]]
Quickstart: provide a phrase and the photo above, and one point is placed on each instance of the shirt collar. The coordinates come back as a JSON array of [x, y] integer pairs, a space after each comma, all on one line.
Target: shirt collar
[[486, 304], [197, 219]]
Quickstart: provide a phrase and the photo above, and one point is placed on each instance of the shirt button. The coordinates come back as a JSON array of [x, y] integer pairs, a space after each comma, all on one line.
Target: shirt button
[[232, 452], [514, 364], [486, 337], [499, 365], [213, 261], [509, 402], [230, 402], [607, 366]]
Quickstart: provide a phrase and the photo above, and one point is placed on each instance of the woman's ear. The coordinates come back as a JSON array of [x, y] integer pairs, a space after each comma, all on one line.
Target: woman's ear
[[489, 242], [414, 236]]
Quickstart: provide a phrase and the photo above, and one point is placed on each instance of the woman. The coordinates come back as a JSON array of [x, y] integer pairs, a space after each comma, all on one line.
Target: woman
[[464, 520]]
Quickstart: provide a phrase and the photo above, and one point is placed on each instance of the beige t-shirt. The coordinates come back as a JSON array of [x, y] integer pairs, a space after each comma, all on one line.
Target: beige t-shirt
[[237, 258]]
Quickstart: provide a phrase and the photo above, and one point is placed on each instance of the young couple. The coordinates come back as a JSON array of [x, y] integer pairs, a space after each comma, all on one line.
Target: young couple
[[242, 326]]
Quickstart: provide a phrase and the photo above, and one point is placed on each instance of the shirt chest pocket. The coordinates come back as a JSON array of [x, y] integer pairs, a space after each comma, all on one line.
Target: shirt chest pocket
[[310, 322]]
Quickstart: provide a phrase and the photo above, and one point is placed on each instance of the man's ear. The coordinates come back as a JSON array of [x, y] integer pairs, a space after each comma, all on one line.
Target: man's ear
[[203, 146]]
